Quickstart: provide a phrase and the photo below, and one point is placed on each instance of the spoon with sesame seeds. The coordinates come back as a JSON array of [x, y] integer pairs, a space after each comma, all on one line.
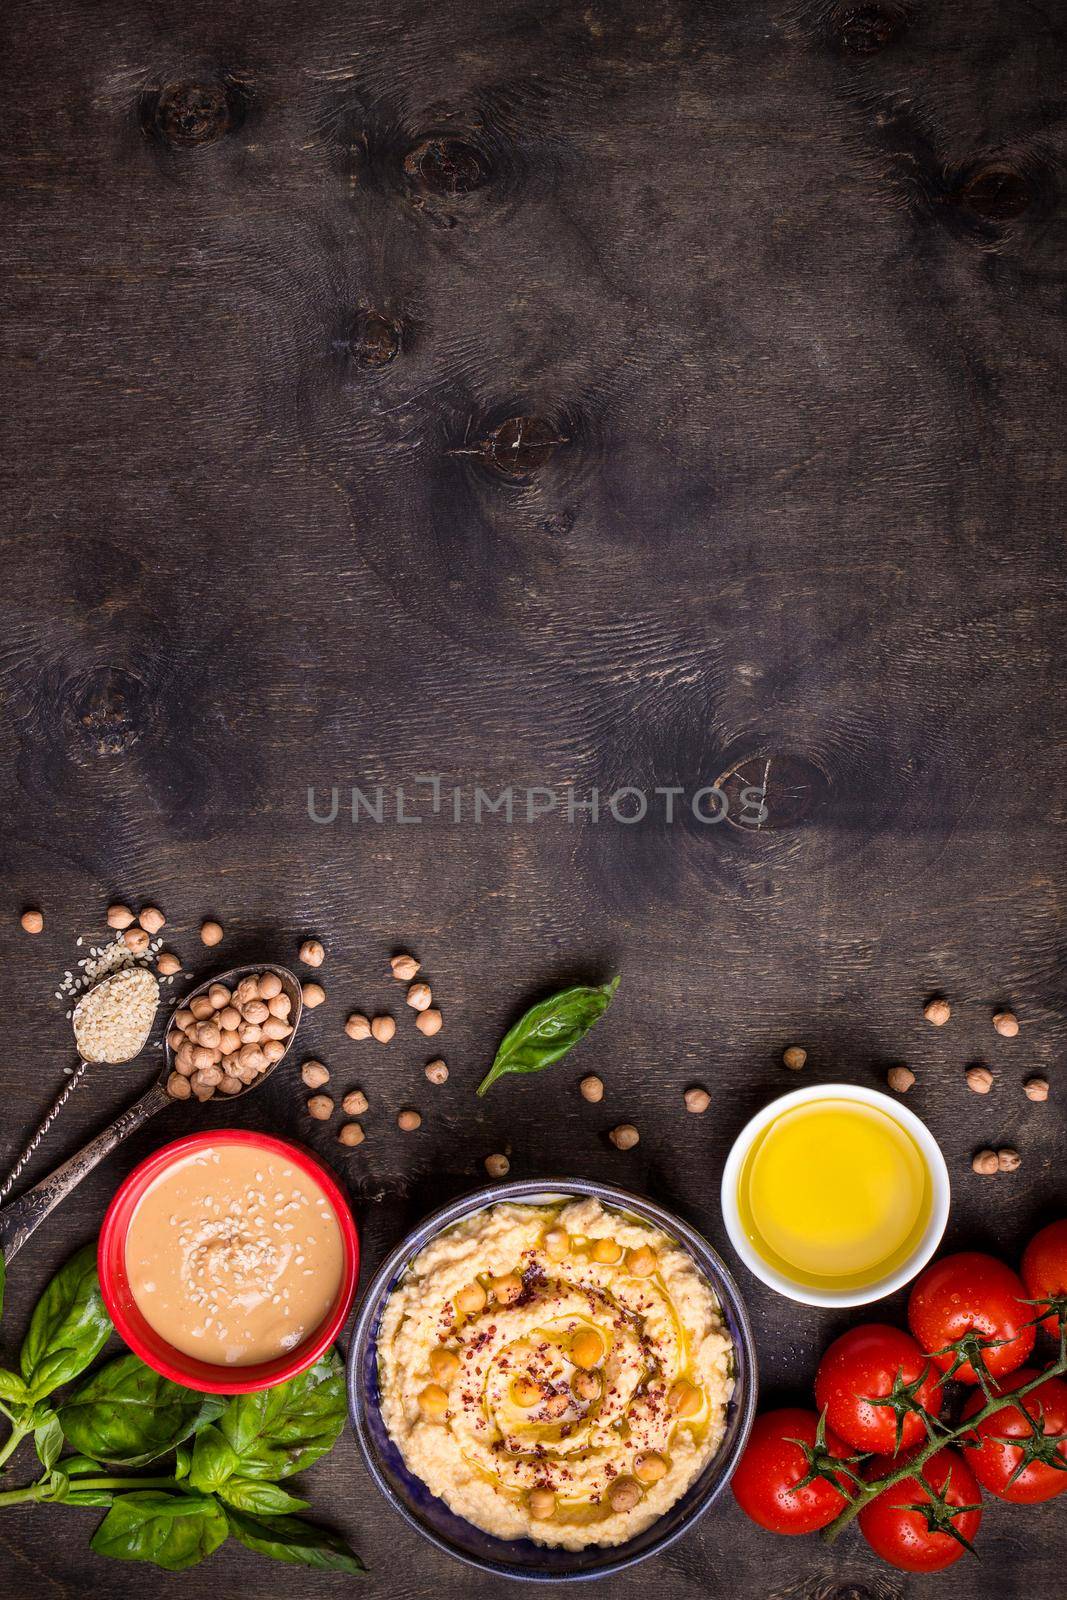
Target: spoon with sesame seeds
[[19, 1219]]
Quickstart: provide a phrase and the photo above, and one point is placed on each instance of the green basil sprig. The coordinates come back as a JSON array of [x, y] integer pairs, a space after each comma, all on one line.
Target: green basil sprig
[[226, 1455], [129, 1415], [548, 1030]]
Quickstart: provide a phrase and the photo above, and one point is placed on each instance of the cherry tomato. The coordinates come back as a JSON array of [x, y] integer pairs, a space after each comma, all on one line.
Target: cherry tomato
[[766, 1478], [972, 1294], [919, 1541], [868, 1363], [1045, 1269], [996, 1461]]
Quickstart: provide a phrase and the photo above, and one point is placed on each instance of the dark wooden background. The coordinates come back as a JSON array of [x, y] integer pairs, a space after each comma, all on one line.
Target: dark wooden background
[[779, 291]]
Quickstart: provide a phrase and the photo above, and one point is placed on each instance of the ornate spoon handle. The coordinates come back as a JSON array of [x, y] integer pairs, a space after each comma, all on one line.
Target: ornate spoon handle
[[22, 1216], [57, 1105]]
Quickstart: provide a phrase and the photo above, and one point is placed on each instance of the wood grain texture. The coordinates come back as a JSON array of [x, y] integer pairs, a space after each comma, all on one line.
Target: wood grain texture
[[778, 292]]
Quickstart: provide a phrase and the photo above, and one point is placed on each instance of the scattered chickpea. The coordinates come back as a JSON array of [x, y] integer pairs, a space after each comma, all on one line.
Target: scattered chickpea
[[437, 1071], [429, 1022], [557, 1405], [980, 1079], [794, 1058], [542, 1504], [383, 1029], [256, 1011], [1036, 1088], [279, 1006], [357, 1026], [606, 1251], [354, 1103], [937, 1012], [470, 1299], [684, 1398], [351, 1134], [1006, 1024], [697, 1101], [497, 1166], [136, 941], [320, 1106], [178, 1086], [649, 1466], [120, 917], [315, 1074], [507, 1288], [643, 1261], [625, 1136], [1008, 1160], [151, 919], [201, 1007], [985, 1163], [585, 1385], [312, 994], [273, 1049], [592, 1089], [404, 967], [208, 1035], [444, 1363], [624, 1494], [229, 1019], [900, 1079], [228, 1084], [526, 1393], [408, 1121], [419, 996], [312, 953], [587, 1348], [557, 1244], [167, 964], [209, 1075], [211, 933], [270, 986], [32, 921], [433, 1402], [247, 989]]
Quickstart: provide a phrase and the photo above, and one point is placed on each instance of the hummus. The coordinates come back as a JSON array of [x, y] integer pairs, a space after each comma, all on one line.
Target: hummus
[[556, 1373]]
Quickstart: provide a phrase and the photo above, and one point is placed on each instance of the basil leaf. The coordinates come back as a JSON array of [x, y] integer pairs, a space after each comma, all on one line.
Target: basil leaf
[[276, 1432], [548, 1030], [82, 1466], [58, 1485], [69, 1326], [172, 1531], [263, 1499], [214, 1460], [48, 1439], [127, 1414], [296, 1541], [183, 1460], [13, 1389]]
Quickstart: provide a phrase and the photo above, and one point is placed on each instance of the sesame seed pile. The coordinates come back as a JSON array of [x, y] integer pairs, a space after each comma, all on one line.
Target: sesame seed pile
[[112, 1022]]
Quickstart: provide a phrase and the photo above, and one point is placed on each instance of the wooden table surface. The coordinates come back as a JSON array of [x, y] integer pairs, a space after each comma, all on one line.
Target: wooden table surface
[[571, 396]]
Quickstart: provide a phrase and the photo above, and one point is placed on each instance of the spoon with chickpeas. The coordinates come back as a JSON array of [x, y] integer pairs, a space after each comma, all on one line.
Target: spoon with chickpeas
[[223, 1040]]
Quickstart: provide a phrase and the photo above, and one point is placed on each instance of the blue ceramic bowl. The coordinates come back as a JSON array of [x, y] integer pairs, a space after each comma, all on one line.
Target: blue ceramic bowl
[[521, 1558]]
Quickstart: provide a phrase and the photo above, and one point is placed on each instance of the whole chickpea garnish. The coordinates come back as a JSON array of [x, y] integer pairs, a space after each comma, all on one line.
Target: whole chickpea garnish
[[625, 1136], [383, 1028], [985, 1163], [497, 1166], [437, 1071], [211, 932], [429, 1021], [794, 1057], [1006, 1024], [697, 1101], [937, 1012], [313, 994], [624, 1494], [542, 1504], [351, 1134], [900, 1079], [404, 967], [312, 953], [320, 1106], [357, 1026], [408, 1121], [419, 996], [979, 1079], [592, 1089]]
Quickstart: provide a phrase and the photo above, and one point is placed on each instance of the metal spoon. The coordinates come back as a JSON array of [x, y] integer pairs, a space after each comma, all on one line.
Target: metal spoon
[[109, 980], [19, 1219]]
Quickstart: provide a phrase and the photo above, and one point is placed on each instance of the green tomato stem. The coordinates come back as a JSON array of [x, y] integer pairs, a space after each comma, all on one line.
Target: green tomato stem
[[913, 1467]]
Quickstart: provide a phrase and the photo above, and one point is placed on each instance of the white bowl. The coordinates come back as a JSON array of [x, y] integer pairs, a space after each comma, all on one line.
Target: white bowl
[[935, 1165]]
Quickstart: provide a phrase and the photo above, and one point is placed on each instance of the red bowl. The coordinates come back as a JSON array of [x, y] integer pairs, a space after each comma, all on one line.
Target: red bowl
[[143, 1339]]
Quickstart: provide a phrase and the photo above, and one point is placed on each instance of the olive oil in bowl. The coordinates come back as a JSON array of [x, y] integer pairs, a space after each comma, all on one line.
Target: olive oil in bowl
[[833, 1195]]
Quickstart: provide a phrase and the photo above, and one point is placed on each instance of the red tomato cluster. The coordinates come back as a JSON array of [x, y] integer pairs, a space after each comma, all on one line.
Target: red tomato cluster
[[876, 1382]]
